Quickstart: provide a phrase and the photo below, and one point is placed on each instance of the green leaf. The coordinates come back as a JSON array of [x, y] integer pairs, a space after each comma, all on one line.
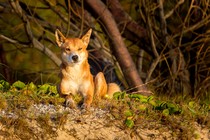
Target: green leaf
[[153, 103], [1, 87], [18, 85], [53, 91], [165, 112], [128, 113], [116, 95], [138, 96], [173, 108], [159, 105], [142, 107], [129, 122], [150, 98], [162, 105], [119, 95], [44, 89], [191, 104], [171, 105], [32, 86], [4, 85], [143, 100]]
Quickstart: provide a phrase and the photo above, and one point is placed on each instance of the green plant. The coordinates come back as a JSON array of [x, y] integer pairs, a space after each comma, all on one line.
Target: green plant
[[136, 105]]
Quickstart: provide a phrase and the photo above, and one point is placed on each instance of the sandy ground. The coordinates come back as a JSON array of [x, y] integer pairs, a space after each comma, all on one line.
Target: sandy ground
[[97, 124]]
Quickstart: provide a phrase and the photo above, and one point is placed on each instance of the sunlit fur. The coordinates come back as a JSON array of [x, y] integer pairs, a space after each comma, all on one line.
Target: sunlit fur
[[75, 72]]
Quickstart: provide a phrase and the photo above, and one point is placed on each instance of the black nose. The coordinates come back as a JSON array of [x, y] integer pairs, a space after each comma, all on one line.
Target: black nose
[[75, 58]]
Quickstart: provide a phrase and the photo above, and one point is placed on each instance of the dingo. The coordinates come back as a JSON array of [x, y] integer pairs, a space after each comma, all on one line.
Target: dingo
[[75, 72]]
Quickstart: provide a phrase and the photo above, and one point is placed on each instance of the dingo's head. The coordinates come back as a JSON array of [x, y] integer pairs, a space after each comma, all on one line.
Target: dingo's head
[[73, 50]]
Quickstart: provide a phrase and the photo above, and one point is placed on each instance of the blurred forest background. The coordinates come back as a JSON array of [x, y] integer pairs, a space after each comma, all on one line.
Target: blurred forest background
[[159, 46]]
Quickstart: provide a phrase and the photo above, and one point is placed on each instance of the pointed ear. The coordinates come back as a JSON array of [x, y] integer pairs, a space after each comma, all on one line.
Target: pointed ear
[[60, 38], [86, 37]]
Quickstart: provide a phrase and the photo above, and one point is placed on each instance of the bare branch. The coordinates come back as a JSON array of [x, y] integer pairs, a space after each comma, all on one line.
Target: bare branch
[[8, 39], [155, 52], [203, 22], [15, 5], [172, 11]]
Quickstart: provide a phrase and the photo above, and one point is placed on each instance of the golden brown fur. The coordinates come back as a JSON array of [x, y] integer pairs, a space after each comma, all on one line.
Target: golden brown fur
[[75, 72]]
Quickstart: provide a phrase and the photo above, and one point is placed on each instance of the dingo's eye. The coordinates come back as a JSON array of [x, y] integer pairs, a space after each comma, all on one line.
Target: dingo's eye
[[79, 49], [67, 49]]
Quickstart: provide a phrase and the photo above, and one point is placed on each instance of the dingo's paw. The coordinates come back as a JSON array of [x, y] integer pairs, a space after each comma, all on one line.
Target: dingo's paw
[[70, 103], [85, 106]]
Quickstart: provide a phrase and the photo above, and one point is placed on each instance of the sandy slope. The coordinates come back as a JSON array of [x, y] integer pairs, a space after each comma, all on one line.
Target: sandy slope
[[97, 124]]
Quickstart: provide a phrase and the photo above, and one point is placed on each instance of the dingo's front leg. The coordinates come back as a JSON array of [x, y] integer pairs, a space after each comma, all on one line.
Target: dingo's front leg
[[88, 98], [69, 102], [65, 92]]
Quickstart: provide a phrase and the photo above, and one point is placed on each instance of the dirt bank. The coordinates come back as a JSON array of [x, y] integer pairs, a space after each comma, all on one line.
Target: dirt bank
[[59, 123]]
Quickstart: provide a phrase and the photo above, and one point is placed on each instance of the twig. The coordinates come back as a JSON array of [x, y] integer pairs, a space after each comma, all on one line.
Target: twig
[[185, 20], [69, 18], [140, 61], [203, 22], [172, 11], [156, 54], [9, 39], [15, 5], [163, 20], [82, 18], [152, 37], [144, 91], [172, 52], [66, 20]]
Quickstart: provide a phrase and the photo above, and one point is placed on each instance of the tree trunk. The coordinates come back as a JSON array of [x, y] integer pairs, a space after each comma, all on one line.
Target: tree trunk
[[136, 32], [121, 53]]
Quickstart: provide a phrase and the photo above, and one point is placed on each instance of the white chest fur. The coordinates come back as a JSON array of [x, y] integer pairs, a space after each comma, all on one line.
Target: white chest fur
[[75, 80]]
